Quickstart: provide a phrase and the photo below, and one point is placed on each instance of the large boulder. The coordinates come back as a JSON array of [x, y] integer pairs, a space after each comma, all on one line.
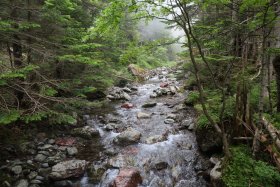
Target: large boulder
[[127, 177], [85, 132], [208, 140], [128, 136], [68, 169], [137, 71]]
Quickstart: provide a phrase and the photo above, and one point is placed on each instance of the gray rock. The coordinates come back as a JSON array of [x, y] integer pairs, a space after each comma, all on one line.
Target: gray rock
[[96, 171], [51, 141], [40, 158], [216, 172], [30, 162], [111, 126], [134, 88], [161, 165], [62, 148], [44, 153], [85, 132], [153, 95], [149, 105], [6, 184], [186, 123], [34, 185], [172, 89], [191, 127], [142, 115], [45, 165], [64, 183], [40, 178], [120, 161], [22, 183], [32, 175], [128, 136], [68, 169], [126, 96], [214, 160], [154, 139], [36, 181], [16, 170], [171, 116], [44, 171], [46, 147], [127, 90], [169, 121], [71, 151]]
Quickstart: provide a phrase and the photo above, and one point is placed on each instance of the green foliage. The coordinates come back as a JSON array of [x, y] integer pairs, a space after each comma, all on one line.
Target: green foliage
[[60, 118], [38, 116], [48, 91], [255, 97], [18, 73], [9, 117], [274, 119], [243, 170], [192, 98]]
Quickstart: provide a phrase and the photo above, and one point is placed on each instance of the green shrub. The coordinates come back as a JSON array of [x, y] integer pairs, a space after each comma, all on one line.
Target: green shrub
[[192, 98], [243, 170]]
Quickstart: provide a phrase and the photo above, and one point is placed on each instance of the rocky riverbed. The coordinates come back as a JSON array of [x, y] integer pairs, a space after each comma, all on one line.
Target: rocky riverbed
[[144, 138]]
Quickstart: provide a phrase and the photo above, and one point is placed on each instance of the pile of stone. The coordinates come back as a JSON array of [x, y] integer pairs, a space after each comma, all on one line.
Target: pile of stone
[[165, 89], [117, 93]]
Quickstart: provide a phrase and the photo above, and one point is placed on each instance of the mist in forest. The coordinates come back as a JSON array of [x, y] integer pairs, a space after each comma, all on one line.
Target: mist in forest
[[157, 29]]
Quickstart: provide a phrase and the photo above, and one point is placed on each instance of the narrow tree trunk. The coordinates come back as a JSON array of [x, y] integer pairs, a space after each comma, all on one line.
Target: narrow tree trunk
[[276, 64], [28, 39]]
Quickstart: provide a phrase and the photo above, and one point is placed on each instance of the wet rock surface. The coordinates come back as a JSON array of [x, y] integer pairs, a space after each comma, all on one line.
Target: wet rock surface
[[127, 177], [68, 169]]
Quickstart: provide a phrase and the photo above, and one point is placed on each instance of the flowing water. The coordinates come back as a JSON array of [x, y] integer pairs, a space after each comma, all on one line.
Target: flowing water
[[173, 161]]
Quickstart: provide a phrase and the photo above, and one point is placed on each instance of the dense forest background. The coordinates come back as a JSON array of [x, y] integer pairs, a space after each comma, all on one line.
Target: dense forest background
[[57, 57]]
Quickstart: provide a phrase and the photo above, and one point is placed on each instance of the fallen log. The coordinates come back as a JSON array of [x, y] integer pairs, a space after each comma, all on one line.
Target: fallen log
[[273, 132]]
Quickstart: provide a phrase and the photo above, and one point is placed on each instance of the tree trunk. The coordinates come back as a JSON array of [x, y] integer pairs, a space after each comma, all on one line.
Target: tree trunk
[[276, 64]]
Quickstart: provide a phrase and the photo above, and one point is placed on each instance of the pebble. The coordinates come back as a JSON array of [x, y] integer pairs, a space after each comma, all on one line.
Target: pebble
[[191, 127], [38, 177], [22, 183], [44, 153], [62, 148], [149, 105], [71, 151], [6, 184], [35, 181], [45, 165], [32, 175], [16, 170], [51, 141], [40, 158], [169, 121], [172, 116]]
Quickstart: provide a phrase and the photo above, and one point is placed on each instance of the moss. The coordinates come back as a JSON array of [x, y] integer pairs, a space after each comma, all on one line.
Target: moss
[[243, 170]]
